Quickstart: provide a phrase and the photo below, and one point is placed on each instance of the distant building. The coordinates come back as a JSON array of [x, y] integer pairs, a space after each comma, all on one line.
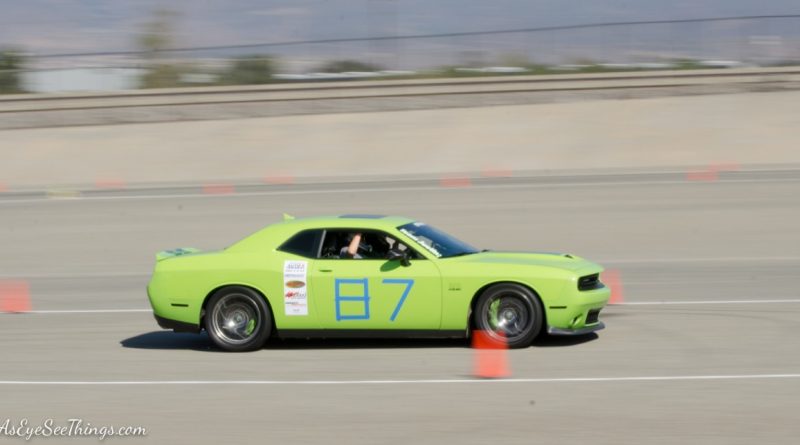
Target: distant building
[[81, 79]]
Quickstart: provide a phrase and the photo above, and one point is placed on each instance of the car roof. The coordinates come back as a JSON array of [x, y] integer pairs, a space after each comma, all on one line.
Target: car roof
[[350, 221], [273, 235]]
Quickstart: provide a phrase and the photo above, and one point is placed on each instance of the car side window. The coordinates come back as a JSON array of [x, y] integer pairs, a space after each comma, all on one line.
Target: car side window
[[303, 243], [400, 247], [334, 242], [374, 245]]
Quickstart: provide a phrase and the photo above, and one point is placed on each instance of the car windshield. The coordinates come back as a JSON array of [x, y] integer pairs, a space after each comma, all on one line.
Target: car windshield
[[435, 241]]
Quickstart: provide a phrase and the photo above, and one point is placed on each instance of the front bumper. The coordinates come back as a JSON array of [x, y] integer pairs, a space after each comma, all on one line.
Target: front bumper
[[579, 331]]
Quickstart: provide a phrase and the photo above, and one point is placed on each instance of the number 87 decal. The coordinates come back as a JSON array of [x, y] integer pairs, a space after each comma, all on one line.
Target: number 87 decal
[[364, 298]]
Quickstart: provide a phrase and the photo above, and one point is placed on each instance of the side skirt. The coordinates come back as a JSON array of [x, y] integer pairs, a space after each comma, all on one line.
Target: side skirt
[[369, 333]]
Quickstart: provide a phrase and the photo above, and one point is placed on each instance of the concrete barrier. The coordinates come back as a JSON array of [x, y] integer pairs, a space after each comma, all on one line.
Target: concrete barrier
[[215, 103], [734, 129]]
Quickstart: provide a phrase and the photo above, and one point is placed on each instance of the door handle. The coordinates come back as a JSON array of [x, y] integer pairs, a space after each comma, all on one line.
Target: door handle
[[326, 270]]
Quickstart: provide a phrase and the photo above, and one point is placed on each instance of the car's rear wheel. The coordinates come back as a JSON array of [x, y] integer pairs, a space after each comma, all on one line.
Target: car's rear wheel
[[509, 313], [238, 319]]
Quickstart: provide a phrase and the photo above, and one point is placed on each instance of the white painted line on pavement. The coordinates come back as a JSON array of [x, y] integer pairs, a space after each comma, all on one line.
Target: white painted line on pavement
[[627, 303], [670, 378], [657, 303], [80, 311], [85, 198], [698, 260], [146, 274], [67, 275]]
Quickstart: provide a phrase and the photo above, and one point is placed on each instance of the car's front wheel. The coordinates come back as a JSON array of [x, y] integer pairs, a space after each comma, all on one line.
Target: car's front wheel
[[509, 313], [238, 319]]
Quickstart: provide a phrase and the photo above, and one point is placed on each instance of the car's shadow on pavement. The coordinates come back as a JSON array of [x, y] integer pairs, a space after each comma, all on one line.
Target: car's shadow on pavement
[[549, 341], [168, 340], [412, 343]]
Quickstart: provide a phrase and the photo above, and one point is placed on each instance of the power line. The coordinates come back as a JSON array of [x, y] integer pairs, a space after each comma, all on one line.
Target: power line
[[420, 36]]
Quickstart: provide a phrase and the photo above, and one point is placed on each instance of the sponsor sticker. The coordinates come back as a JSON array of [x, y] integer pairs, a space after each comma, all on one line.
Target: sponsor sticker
[[295, 287]]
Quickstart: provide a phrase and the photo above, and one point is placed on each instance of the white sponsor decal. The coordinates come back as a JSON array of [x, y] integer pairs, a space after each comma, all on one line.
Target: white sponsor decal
[[295, 287]]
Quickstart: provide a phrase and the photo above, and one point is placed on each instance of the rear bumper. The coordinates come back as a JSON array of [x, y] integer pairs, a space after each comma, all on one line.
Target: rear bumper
[[177, 326], [579, 331]]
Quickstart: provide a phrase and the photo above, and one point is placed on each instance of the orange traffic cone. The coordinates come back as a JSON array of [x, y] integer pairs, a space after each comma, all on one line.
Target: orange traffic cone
[[14, 296], [491, 356], [612, 279]]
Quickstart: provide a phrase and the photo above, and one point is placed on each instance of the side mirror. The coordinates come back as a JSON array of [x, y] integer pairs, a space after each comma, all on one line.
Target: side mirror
[[403, 257]]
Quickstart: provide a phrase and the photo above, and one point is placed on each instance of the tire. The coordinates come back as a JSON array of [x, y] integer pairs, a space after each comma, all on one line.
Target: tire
[[238, 319], [509, 313]]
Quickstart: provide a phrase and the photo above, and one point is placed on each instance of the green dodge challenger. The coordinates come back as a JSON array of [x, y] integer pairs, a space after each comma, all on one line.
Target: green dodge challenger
[[371, 275]]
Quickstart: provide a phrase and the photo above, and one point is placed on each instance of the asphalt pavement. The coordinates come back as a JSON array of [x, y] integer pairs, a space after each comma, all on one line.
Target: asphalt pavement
[[703, 349]]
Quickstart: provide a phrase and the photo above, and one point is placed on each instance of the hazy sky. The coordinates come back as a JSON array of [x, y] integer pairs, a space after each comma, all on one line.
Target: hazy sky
[[52, 26]]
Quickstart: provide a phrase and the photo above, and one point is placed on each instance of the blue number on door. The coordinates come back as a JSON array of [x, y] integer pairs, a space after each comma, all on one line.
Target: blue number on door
[[408, 283], [364, 298], [363, 283]]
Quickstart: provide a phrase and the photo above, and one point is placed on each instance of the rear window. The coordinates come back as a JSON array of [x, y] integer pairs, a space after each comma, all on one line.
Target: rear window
[[303, 243]]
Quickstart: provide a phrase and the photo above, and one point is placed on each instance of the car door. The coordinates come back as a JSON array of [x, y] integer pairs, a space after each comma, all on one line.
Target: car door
[[375, 293]]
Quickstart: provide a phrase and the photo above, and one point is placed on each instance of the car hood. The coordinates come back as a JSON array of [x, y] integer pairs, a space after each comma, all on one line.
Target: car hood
[[556, 260]]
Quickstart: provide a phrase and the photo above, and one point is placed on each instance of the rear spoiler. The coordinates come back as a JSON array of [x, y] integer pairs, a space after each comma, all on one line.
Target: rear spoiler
[[164, 254]]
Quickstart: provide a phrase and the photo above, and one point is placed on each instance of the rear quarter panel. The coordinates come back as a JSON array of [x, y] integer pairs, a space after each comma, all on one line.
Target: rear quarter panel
[[190, 280]]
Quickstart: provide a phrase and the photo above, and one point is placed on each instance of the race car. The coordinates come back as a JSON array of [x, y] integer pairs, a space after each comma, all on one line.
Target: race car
[[371, 275]]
